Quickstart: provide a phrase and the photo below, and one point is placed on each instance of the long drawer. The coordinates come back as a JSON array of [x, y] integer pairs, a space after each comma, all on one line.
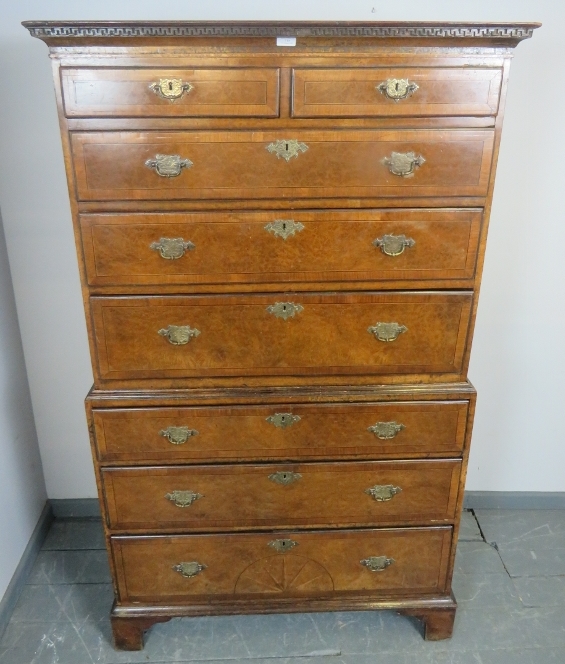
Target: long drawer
[[299, 334], [300, 164], [151, 92], [303, 431], [401, 92], [196, 568], [215, 248], [281, 496]]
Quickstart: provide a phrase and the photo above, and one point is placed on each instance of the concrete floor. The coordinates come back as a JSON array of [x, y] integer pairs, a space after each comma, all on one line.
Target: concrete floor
[[509, 582]]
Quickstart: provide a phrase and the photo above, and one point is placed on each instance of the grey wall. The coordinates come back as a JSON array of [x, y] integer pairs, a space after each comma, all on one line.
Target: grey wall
[[518, 356], [22, 488]]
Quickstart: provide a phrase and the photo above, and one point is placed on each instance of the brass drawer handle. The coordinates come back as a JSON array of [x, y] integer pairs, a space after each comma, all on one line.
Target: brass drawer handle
[[178, 435], [285, 310], [382, 493], [281, 545], [287, 148], [178, 335], [397, 88], [171, 88], [377, 563], [188, 570], [386, 430], [403, 163], [284, 477], [393, 245], [168, 165], [172, 248], [183, 498], [283, 420], [284, 228], [387, 331]]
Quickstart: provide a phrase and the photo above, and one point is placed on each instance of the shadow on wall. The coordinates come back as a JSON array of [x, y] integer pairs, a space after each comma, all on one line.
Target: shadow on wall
[[22, 487]]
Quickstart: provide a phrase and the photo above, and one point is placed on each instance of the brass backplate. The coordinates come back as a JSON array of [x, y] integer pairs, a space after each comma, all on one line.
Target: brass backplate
[[190, 569], [377, 563], [386, 430], [178, 435], [387, 331], [382, 493]]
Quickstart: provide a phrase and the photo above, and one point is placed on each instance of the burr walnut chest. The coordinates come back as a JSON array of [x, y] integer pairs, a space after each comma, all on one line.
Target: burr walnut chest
[[281, 231]]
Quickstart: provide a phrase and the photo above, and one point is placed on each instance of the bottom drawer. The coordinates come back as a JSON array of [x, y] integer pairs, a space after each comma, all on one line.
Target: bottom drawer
[[200, 568]]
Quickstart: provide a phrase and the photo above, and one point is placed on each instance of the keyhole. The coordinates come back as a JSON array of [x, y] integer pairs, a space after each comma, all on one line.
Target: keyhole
[[396, 86], [284, 225], [170, 86], [285, 476], [286, 146]]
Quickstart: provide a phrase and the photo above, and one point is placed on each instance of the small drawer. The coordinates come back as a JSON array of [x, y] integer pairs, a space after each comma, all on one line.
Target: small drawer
[[281, 165], [143, 92], [280, 335], [337, 246], [398, 92], [298, 431], [193, 568], [281, 496]]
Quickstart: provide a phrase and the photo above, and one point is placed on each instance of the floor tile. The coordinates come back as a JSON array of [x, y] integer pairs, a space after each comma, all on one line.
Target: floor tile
[[532, 562], [538, 591], [70, 567], [535, 529], [522, 656], [469, 530], [75, 534], [491, 628], [478, 590], [64, 603], [478, 557]]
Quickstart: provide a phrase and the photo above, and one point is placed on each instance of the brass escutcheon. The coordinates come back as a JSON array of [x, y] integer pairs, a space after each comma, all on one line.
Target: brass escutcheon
[[377, 563], [171, 88], [403, 163], [281, 545], [386, 430], [287, 148], [183, 498], [178, 435], [285, 310], [397, 88], [393, 245], [283, 420], [284, 477], [382, 493], [172, 248], [387, 331], [168, 165], [178, 335], [284, 228], [190, 569]]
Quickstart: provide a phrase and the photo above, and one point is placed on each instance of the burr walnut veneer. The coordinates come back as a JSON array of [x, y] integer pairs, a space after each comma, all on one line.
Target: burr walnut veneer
[[281, 244]]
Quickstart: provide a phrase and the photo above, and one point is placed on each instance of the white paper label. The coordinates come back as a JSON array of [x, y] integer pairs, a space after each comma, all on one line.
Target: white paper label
[[286, 41]]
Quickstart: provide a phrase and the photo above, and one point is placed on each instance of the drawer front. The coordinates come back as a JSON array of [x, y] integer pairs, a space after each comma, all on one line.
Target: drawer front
[[150, 569], [238, 165], [161, 435], [299, 334], [395, 92], [215, 248], [279, 496], [170, 92]]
